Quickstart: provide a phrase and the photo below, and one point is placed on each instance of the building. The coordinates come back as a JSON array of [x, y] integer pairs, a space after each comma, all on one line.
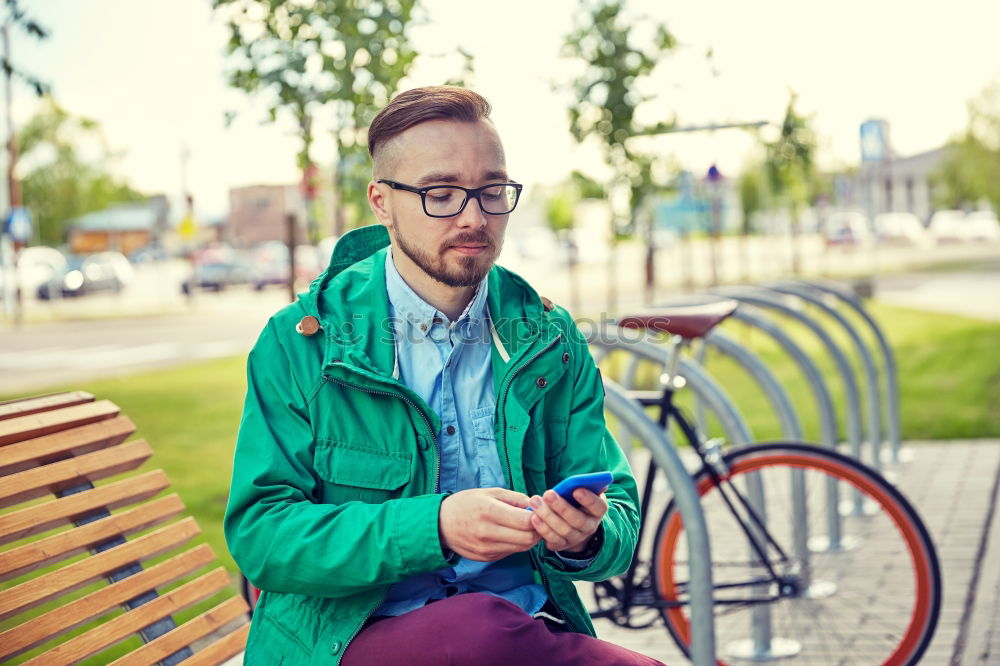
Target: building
[[259, 213], [123, 228], [902, 184]]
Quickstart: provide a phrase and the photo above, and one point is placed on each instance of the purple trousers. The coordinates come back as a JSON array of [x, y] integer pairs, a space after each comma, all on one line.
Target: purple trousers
[[479, 630]]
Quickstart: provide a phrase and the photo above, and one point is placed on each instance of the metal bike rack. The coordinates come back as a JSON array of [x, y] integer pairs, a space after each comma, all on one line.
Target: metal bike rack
[[762, 645], [894, 430], [770, 300], [617, 401], [873, 413]]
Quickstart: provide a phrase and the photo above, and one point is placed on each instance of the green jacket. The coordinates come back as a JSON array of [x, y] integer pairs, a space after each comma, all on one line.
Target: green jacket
[[335, 490]]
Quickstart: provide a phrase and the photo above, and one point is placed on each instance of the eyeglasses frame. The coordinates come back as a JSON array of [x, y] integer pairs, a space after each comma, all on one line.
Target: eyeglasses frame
[[469, 194]]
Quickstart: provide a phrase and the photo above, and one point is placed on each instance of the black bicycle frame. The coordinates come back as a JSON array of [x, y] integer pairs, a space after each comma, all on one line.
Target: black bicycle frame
[[667, 410]]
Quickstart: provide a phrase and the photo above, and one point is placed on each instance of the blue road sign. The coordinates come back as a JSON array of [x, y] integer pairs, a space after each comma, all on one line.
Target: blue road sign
[[18, 224], [874, 140]]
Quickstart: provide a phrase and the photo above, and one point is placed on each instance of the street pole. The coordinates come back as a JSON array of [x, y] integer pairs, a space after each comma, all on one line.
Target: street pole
[[12, 291]]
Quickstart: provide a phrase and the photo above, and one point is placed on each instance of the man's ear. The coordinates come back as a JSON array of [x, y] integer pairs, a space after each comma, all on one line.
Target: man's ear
[[379, 202]]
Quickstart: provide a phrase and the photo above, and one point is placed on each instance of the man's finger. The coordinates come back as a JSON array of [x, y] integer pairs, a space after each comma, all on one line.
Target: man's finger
[[511, 497], [595, 505]]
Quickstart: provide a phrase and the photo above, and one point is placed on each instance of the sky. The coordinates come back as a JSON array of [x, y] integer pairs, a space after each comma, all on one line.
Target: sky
[[152, 73]]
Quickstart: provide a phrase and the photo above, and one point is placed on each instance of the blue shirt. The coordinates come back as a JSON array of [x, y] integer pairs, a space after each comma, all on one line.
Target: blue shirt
[[449, 365]]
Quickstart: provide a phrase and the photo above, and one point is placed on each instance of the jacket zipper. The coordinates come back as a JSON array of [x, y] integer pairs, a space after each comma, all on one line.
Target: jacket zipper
[[510, 482], [416, 407], [545, 584]]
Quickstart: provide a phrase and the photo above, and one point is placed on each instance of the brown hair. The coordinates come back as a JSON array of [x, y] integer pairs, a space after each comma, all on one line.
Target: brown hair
[[422, 104]]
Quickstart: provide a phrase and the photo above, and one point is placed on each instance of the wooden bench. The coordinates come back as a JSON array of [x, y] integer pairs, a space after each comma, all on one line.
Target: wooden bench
[[52, 451]]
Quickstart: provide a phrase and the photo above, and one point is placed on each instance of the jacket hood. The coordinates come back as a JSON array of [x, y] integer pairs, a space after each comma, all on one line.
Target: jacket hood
[[350, 301]]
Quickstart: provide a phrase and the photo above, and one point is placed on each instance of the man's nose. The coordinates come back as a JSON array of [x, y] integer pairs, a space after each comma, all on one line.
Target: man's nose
[[472, 215]]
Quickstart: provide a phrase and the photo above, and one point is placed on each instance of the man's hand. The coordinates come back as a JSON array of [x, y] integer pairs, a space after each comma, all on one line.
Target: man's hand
[[564, 527], [486, 524]]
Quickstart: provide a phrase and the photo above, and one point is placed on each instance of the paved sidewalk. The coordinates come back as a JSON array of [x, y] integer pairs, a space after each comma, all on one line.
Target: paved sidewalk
[[954, 486]]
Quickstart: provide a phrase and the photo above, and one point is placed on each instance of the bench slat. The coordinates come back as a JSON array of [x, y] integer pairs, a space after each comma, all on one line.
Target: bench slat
[[123, 626], [48, 479], [75, 441], [42, 403], [222, 649], [44, 423], [66, 579], [60, 620], [23, 559], [155, 651], [32, 520]]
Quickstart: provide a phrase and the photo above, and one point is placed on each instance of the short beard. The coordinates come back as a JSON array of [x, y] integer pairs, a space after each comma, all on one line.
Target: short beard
[[470, 270]]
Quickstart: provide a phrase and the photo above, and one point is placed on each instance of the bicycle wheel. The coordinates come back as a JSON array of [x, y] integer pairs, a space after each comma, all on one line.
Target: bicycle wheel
[[869, 594]]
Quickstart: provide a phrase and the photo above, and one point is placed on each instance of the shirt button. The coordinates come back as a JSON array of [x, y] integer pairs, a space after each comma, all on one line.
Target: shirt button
[[450, 430], [423, 327], [565, 357], [335, 647], [542, 382]]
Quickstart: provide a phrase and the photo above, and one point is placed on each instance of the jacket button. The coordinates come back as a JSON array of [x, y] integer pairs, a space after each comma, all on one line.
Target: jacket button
[[307, 326], [335, 647], [565, 357], [422, 443], [542, 382]]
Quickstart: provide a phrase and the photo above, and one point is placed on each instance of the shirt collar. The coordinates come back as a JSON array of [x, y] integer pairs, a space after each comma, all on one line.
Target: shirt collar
[[421, 315]]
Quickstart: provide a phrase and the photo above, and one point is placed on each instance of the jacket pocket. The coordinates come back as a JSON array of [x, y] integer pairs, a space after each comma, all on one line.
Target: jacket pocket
[[542, 454], [352, 472], [488, 467]]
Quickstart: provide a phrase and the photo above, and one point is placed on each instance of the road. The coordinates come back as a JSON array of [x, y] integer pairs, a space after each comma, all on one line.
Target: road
[[152, 325]]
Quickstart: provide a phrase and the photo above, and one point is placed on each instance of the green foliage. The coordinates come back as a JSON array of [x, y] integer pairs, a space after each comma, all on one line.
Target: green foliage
[[559, 210], [753, 192], [606, 96], [341, 58], [972, 169], [790, 159], [14, 15], [59, 183]]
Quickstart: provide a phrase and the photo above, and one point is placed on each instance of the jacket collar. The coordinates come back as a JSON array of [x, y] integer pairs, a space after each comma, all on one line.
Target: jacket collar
[[350, 302]]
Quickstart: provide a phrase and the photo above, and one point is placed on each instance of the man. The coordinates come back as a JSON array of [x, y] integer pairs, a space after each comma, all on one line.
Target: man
[[403, 416]]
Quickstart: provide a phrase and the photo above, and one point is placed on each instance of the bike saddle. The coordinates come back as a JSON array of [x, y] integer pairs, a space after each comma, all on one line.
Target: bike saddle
[[687, 321]]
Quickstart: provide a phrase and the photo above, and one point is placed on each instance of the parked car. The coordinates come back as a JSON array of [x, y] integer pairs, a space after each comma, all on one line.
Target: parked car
[[270, 265], [36, 265], [981, 225], [100, 272], [216, 268], [900, 229], [848, 228], [946, 226]]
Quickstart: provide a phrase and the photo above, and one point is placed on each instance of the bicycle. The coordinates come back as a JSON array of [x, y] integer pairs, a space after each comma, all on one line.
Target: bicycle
[[794, 572]]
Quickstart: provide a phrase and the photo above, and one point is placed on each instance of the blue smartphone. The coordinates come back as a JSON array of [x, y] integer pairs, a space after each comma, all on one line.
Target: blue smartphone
[[596, 482]]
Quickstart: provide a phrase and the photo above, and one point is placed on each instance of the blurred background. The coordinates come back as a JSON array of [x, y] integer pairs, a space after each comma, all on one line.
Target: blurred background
[[161, 151], [175, 172]]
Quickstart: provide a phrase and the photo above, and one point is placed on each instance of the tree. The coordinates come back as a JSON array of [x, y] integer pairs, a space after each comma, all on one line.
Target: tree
[[789, 164], [57, 182], [605, 101], [344, 57], [15, 16], [971, 171]]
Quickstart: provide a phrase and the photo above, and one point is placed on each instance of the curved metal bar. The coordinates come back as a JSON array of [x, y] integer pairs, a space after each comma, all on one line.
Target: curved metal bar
[[778, 397], [894, 429], [616, 401], [769, 299], [608, 336], [873, 413]]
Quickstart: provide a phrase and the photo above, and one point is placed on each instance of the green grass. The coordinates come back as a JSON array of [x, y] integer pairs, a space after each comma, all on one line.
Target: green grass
[[948, 374], [949, 377]]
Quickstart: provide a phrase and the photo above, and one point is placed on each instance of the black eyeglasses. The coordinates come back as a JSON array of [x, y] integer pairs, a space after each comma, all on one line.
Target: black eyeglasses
[[450, 200]]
